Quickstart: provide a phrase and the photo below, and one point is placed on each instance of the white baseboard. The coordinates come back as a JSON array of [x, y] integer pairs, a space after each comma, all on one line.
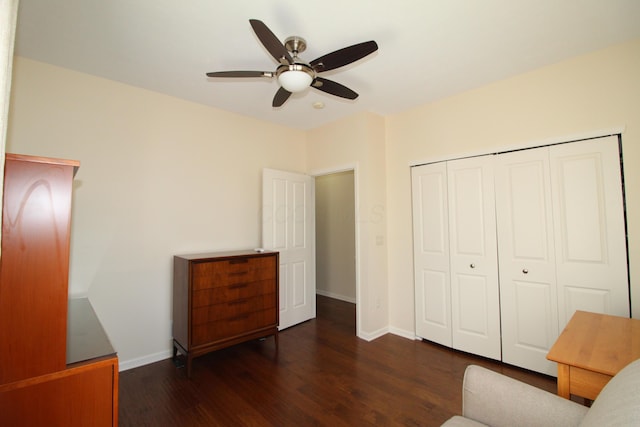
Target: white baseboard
[[403, 333], [144, 360], [124, 365], [370, 336], [336, 296]]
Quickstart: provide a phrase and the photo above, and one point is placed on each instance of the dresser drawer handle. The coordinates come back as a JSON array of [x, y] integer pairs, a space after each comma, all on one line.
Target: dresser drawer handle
[[238, 286], [237, 302], [239, 261], [238, 273], [241, 317]]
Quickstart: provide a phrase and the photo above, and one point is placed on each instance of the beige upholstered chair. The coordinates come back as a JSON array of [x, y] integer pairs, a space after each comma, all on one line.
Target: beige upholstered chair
[[492, 399]]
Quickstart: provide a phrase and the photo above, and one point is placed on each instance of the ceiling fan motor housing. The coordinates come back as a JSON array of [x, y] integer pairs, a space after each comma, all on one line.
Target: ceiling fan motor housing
[[295, 45]]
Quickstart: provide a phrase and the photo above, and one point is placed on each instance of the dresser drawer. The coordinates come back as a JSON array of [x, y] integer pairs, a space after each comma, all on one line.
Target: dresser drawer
[[241, 324], [232, 309], [222, 273], [234, 292]]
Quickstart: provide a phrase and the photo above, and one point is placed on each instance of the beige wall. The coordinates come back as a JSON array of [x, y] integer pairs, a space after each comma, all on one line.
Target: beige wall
[[159, 176], [576, 97], [335, 236], [358, 143]]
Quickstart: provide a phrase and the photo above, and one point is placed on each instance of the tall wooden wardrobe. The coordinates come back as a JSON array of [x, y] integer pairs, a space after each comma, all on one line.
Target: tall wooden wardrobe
[[57, 366], [507, 246]]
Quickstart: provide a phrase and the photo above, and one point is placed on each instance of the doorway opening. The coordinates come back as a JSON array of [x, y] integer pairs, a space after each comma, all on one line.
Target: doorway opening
[[336, 260]]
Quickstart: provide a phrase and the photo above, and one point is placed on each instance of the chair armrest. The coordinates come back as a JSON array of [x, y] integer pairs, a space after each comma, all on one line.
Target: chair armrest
[[497, 400]]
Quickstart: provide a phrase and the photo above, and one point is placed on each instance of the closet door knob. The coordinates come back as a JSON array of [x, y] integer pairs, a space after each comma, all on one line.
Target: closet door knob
[[525, 271], [472, 265]]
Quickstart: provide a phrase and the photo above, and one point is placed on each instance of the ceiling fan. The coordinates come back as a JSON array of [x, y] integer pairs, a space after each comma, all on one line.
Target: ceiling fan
[[294, 74]]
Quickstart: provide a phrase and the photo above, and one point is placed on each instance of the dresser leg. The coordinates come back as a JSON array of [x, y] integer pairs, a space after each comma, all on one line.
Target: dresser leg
[[177, 360]]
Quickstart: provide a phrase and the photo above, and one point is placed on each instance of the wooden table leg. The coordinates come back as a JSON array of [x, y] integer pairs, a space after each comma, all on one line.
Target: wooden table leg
[[564, 379]]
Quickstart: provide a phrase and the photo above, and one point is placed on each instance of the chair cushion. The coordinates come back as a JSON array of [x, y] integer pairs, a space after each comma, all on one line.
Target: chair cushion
[[500, 401], [459, 421], [618, 404]]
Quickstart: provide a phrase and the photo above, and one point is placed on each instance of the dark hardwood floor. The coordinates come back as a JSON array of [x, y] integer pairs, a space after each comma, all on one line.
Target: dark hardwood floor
[[322, 375]]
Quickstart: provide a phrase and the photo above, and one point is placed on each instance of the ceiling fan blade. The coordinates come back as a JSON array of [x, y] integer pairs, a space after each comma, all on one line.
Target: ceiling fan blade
[[270, 41], [281, 97], [240, 74], [333, 88], [344, 56]]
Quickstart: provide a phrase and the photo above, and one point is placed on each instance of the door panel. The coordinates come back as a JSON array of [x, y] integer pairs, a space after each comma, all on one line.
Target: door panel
[[288, 226], [473, 257], [580, 298], [526, 258], [533, 329], [278, 233], [300, 190], [589, 225], [300, 294], [473, 291], [431, 253], [434, 299]]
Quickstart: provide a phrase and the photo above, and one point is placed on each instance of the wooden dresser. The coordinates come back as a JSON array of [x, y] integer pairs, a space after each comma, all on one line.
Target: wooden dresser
[[57, 366], [223, 298]]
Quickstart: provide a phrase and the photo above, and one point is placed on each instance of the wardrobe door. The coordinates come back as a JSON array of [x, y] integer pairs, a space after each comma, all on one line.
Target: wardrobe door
[[34, 273], [528, 290], [591, 252], [475, 308], [431, 253]]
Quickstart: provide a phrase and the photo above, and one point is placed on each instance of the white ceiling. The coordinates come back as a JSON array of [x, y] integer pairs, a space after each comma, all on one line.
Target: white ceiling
[[428, 49]]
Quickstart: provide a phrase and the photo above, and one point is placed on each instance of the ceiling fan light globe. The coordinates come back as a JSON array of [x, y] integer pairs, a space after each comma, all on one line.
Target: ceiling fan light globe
[[295, 80]]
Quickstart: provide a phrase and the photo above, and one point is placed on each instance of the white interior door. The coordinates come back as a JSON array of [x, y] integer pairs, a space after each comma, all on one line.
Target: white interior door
[[431, 252], [591, 252], [288, 226], [528, 292], [475, 308]]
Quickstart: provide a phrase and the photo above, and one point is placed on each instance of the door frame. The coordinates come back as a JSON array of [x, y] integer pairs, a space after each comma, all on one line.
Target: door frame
[[620, 130], [348, 168]]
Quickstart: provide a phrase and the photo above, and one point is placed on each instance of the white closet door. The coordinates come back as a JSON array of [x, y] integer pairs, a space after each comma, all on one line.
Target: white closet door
[[475, 308], [589, 228], [526, 258], [431, 253]]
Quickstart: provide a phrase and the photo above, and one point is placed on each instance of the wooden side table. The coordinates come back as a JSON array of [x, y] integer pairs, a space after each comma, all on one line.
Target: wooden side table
[[591, 349]]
